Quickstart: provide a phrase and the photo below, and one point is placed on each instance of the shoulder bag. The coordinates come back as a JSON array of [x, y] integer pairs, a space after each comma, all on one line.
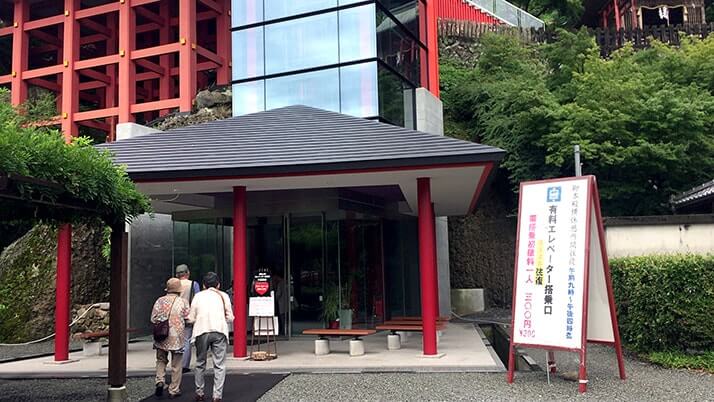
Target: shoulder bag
[[161, 328]]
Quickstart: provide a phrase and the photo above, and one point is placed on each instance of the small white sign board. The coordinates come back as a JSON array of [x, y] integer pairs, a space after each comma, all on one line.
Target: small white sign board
[[261, 306]]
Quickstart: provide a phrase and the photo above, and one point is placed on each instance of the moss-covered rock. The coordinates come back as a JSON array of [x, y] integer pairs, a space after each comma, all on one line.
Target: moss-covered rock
[[27, 279]]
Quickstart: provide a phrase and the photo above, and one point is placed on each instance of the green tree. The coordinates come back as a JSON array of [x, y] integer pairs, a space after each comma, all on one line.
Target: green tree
[[644, 120]]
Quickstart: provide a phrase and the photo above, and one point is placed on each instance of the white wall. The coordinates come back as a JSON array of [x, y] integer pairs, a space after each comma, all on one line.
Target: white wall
[[660, 238]]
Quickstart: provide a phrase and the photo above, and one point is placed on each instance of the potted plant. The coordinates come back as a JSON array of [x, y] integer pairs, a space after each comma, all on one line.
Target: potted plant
[[330, 307], [345, 312]]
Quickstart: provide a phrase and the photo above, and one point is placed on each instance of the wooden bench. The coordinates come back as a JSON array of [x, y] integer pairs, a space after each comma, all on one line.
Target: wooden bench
[[412, 323], [394, 340], [322, 343]]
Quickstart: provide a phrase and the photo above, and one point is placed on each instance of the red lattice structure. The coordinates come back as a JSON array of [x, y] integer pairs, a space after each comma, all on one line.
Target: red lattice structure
[[463, 10], [114, 61]]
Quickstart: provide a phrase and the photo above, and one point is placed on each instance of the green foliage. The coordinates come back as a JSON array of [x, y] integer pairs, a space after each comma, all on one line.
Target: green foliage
[[664, 303], [644, 120], [679, 360], [559, 13], [85, 172]]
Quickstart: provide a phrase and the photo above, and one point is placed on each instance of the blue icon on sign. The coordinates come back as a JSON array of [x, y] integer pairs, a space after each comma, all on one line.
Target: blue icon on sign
[[554, 194]]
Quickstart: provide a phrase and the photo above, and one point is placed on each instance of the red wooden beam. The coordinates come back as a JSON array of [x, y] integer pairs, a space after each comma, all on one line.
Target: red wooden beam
[[45, 37], [43, 83], [20, 47], [427, 266], [97, 62], [5, 79], [96, 75], [6, 31], [203, 52], [151, 16], [98, 10], [95, 26], [223, 44], [151, 66], [87, 86], [95, 124], [166, 85], [156, 105], [137, 3], [213, 5], [187, 54], [41, 72], [70, 79], [432, 48], [44, 22], [96, 114], [127, 70], [156, 51]]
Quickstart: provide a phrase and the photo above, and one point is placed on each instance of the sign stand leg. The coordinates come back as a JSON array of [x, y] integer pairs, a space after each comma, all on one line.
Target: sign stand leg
[[551, 362], [511, 363], [547, 371], [582, 374]]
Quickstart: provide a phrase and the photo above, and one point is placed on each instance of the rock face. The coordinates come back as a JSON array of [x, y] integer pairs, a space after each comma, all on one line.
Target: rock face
[[210, 104], [94, 320], [27, 279]]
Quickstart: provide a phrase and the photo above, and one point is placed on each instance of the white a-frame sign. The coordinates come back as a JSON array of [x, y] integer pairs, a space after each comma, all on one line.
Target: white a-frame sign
[[562, 292]]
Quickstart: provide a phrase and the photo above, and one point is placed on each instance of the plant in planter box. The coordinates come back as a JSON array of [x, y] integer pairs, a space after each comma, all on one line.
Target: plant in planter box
[[330, 306]]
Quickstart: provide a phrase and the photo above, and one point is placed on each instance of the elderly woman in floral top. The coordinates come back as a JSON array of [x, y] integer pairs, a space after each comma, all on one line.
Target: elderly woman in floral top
[[174, 308]]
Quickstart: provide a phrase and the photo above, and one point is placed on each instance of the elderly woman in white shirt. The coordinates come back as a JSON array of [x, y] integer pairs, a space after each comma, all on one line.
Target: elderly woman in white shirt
[[210, 313]]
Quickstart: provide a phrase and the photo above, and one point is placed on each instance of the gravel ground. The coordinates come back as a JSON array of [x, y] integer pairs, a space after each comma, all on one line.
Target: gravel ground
[[75, 390], [645, 383], [35, 349]]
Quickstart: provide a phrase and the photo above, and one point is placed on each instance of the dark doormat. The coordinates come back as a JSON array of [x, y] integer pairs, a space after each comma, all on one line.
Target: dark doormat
[[238, 387]]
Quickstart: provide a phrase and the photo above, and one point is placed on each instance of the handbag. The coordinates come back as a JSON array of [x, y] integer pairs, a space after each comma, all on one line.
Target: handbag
[[161, 328]]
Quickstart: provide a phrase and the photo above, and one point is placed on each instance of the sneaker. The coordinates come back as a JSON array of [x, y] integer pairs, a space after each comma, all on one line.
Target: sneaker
[[217, 399], [159, 389], [176, 395], [199, 398]]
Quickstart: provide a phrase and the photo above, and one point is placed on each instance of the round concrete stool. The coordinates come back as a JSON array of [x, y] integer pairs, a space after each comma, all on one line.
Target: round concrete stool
[[393, 342], [403, 335], [322, 347], [356, 347]]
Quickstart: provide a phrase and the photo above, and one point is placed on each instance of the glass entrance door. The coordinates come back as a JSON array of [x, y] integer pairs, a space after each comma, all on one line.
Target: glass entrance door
[[306, 270]]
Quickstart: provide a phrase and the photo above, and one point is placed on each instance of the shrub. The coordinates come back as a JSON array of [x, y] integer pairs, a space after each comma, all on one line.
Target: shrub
[[665, 302]]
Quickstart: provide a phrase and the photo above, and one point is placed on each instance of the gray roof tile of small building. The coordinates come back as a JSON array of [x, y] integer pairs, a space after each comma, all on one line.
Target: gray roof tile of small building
[[696, 194], [292, 139]]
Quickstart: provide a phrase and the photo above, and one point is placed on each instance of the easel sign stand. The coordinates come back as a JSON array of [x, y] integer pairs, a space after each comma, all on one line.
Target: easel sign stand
[[562, 289]]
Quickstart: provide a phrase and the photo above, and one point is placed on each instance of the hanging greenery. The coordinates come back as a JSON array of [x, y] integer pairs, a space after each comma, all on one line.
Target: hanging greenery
[[44, 179]]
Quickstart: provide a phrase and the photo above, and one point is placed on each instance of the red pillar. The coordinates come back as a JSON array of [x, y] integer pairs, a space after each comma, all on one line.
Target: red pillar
[[635, 20], [436, 266], [70, 81], [617, 14], [433, 47], [223, 44], [62, 292], [240, 272], [127, 69], [427, 265], [187, 54], [20, 46], [165, 60]]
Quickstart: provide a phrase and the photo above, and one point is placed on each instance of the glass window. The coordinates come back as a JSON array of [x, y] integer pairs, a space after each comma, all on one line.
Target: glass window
[[244, 12], [406, 12], [358, 90], [284, 8], [248, 53], [301, 43], [394, 94], [357, 33], [397, 49], [248, 97], [318, 89]]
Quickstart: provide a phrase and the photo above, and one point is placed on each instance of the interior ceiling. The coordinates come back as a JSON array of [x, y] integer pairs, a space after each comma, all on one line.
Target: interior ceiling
[[452, 189]]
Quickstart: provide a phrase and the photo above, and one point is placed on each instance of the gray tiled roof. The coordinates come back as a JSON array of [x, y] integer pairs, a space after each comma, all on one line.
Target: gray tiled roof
[[292, 139], [698, 193]]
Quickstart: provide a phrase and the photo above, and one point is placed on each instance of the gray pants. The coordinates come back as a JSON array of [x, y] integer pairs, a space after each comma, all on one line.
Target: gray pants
[[186, 362], [217, 343]]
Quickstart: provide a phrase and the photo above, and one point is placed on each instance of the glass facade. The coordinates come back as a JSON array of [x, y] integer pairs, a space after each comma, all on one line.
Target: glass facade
[[345, 56]]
